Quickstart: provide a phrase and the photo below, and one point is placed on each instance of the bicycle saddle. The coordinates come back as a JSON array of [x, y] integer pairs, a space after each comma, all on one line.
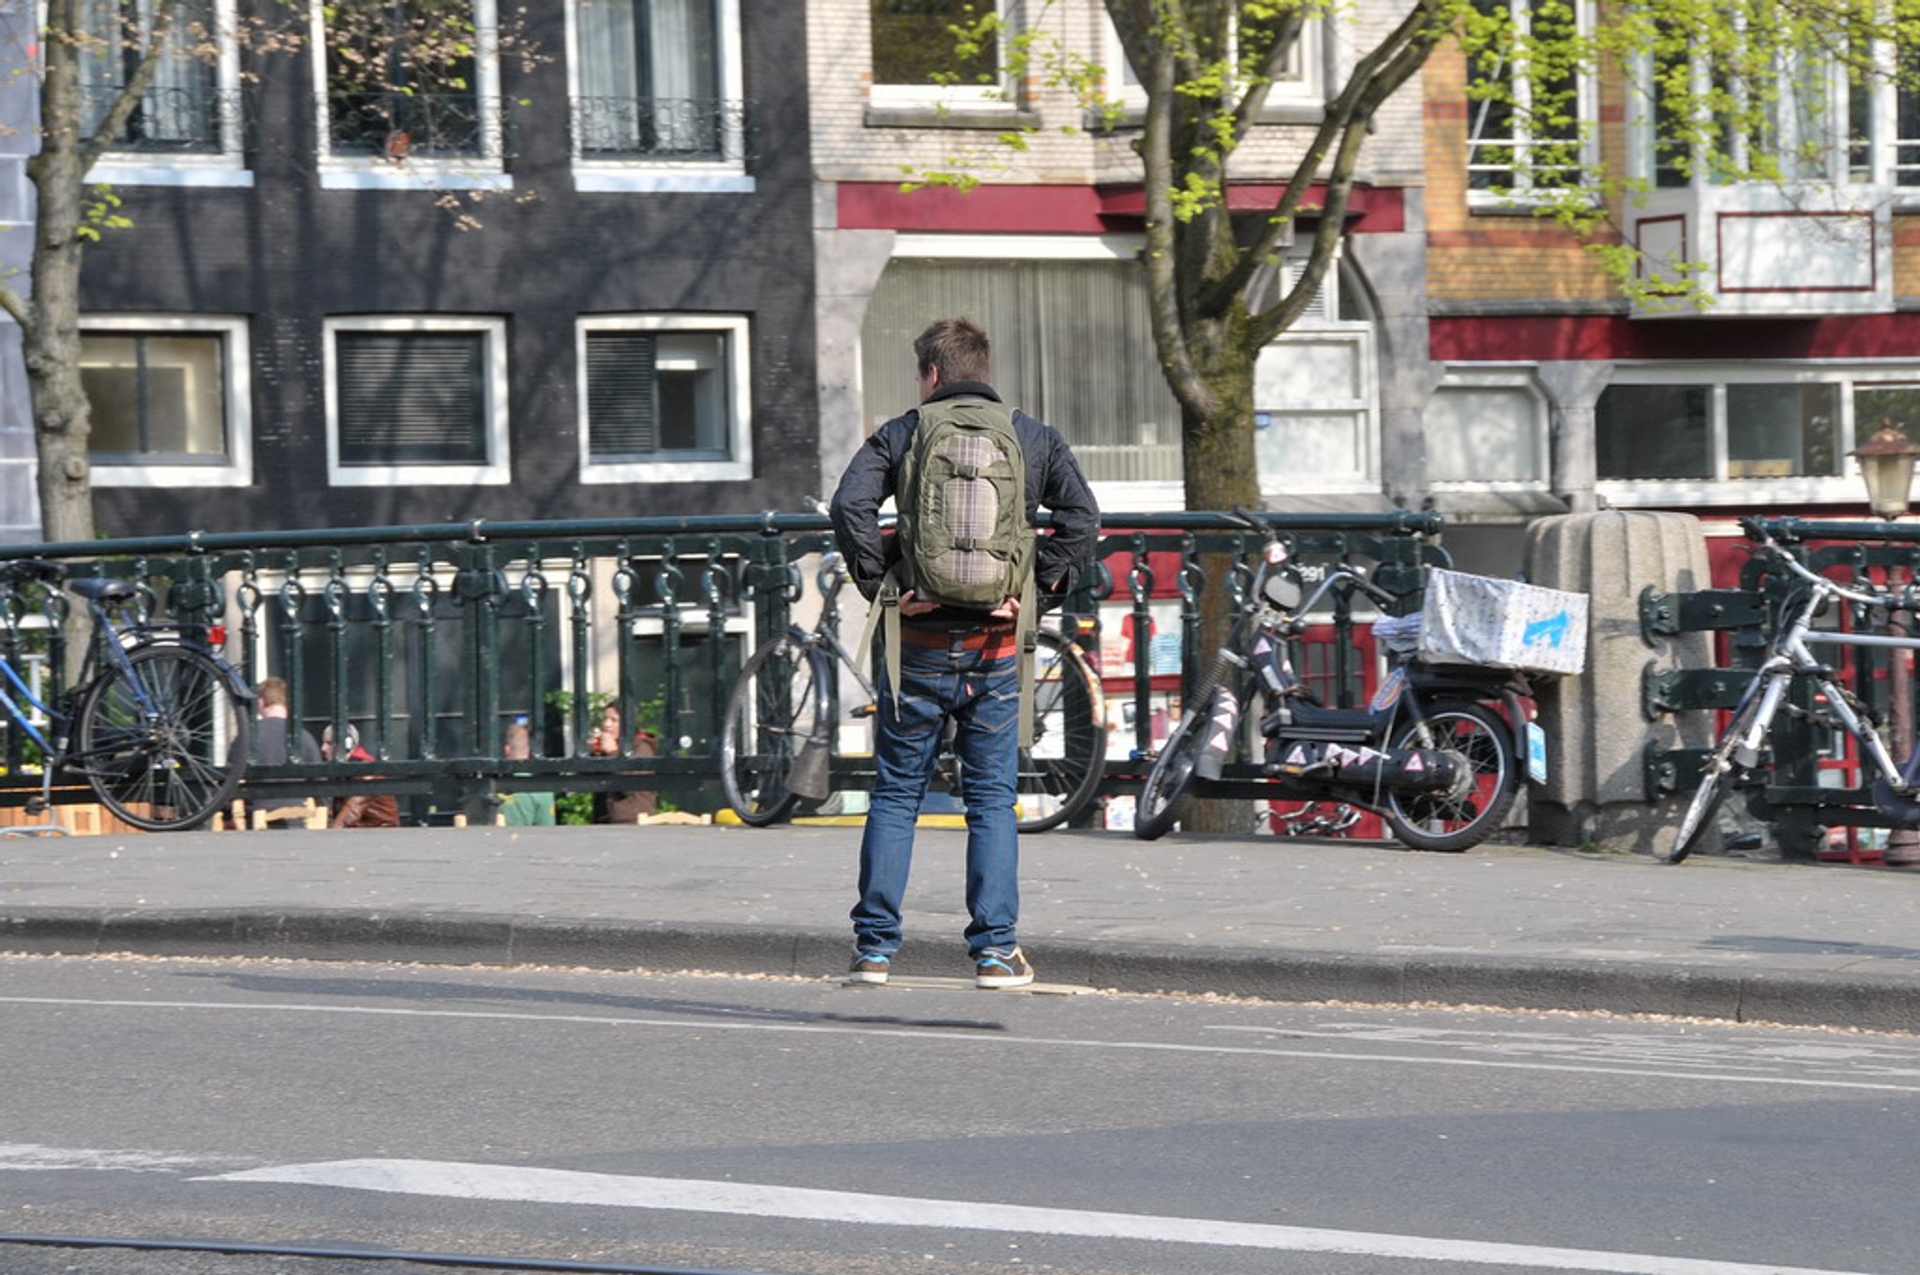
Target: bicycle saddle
[[103, 590], [35, 569]]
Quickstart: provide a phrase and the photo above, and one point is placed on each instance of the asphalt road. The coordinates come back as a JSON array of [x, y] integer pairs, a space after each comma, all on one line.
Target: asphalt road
[[789, 1126]]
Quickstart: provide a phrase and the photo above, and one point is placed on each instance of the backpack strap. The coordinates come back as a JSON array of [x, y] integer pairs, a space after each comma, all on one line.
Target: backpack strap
[[1024, 628], [886, 603]]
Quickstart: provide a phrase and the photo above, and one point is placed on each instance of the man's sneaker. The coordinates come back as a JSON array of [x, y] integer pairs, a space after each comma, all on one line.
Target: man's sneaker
[[869, 967], [1001, 969]]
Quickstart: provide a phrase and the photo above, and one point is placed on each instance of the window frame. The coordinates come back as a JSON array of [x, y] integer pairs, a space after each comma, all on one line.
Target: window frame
[[224, 166], [1720, 490], [737, 329], [1512, 378], [495, 471], [1524, 193], [483, 171], [665, 175], [1300, 98], [972, 99], [236, 387]]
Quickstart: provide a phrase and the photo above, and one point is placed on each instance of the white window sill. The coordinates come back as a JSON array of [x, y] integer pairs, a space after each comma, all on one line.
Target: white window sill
[[994, 115], [154, 477], [662, 179], [382, 174], [129, 170], [418, 476], [668, 471]]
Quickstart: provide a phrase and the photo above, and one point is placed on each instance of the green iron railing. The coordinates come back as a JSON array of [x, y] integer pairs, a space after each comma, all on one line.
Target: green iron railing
[[430, 640]]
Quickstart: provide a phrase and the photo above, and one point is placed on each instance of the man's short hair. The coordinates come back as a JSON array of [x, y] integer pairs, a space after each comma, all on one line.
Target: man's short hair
[[958, 347], [272, 690]]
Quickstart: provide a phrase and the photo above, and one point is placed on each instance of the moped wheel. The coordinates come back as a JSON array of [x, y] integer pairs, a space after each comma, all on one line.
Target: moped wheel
[[164, 742], [1169, 787], [1716, 780], [771, 714], [1464, 815], [1059, 773]]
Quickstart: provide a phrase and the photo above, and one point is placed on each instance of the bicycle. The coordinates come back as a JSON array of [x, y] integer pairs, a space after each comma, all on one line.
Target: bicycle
[[783, 719], [160, 728], [1738, 749]]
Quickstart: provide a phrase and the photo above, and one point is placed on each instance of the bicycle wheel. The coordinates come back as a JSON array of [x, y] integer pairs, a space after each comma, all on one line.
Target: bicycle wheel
[[164, 740], [775, 707], [1469, 812], [1169, 787], [1059, 773], [1722, 767]]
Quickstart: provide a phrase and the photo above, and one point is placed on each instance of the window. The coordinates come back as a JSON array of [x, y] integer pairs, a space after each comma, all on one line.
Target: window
[[1487, 429], [1297, 91], [1696, 434], [649, 79], [416, 400], [657, 99], [920, 60], [186, 128], [664, 398], [170, 400], [409, 89], [1068, 340], [1884, 119], [1527, 107], [1314, 396]]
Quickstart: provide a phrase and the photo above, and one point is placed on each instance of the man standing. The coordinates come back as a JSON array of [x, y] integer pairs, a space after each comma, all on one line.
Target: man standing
[[955, 663]]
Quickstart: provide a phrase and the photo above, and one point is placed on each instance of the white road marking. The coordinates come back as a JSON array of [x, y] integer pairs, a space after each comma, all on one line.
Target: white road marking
[[997, 1039], [448, 1180], [28, 1157]]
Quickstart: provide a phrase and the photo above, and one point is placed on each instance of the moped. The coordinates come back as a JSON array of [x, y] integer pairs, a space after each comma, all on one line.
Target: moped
[[1436, 752]]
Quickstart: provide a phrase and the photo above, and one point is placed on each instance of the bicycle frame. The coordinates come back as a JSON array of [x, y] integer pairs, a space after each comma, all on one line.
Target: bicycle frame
[[1791, 655]]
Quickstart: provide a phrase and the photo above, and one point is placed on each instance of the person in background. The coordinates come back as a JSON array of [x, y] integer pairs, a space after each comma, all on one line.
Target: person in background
[[359, 810], [523, 809], [273, 740], [622, 807]]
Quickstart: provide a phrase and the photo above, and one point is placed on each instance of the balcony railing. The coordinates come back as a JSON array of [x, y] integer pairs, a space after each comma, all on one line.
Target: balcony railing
[[187, 119], [662, 128], [402, 126]]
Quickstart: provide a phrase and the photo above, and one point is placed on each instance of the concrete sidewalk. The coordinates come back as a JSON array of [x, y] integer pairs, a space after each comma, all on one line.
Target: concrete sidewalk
[[1265, 917]]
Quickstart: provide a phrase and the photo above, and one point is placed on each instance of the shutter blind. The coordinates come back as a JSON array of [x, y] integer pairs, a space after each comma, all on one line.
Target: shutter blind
[[412, 399], [622, 396]]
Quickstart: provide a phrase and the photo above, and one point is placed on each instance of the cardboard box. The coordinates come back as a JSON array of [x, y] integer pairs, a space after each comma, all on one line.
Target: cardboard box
[[1469, 619]]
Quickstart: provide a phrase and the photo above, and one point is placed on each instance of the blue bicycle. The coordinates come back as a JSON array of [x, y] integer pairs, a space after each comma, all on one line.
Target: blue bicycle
[[158, 725]]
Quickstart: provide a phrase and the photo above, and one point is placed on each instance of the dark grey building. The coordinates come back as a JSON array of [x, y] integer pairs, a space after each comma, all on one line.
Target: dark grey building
[[564, 272]]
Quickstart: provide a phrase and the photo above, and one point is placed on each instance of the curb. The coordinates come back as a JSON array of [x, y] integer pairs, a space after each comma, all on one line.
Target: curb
[[1811, 1000]]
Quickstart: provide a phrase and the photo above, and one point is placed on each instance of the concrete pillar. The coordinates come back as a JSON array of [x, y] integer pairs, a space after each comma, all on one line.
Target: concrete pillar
[[1598, 737]]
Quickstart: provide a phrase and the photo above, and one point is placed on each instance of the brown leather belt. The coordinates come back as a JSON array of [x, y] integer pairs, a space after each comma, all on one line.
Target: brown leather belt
[[994, 642]]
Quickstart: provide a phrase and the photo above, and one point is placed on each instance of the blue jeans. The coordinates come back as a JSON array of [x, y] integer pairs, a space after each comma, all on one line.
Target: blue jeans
[[983, 699]]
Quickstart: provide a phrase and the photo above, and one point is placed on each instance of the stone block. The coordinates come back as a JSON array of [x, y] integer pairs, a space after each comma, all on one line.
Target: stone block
[[1598, 734]]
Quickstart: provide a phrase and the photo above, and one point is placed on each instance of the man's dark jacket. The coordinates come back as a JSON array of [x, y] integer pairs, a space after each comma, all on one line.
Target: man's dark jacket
[[1053, 481]]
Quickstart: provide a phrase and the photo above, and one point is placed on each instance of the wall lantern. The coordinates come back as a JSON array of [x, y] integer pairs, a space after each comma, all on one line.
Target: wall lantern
[[1886, 465]]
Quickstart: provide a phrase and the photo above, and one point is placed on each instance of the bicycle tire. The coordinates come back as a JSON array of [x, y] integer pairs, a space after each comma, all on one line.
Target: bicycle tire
[[776, 704], [1716, 780], [1169, 788], [1471, 811], [172, 768], [1059, 773]]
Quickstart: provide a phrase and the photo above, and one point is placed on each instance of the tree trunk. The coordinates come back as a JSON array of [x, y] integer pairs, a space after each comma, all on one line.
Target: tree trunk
[[1220, 475], [50, 336]]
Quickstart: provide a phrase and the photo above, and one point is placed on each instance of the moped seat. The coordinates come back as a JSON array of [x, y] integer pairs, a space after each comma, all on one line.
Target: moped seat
[[1312, 721]]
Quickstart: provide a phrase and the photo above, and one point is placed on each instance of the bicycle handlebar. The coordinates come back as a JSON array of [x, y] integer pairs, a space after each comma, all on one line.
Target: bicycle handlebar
[[1907, 598]]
